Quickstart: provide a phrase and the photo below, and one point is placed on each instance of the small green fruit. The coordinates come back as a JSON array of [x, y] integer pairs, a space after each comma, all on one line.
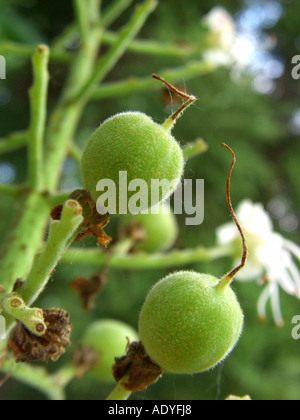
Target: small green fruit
[[161, 229], [190, 322], [131, 142], [109, 339]]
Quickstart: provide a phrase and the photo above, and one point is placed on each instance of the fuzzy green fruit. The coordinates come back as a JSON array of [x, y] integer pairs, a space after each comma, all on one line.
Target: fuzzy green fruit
[[108, 338], [131, 142], [187, 324], [161, 229]]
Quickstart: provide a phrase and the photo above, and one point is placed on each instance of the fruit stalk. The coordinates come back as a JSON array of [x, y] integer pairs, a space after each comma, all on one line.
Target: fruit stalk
[[119, 393], [147, 261], [60, 236], [227, 280]]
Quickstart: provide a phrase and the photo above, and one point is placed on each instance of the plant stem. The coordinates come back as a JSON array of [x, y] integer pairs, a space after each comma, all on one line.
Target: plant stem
[[94, 11], [194, 149], [66, 116], [28, 50], [65, 375], [38, 101], [36, 377], [145, 261], [154, 48], [82, 17], [110, 14], [24, 240], [9, 189], [75, 153], [119, 393], [109, 61], [113, 11], [13, 142], [32, 318], [61, 234], [134, 85]]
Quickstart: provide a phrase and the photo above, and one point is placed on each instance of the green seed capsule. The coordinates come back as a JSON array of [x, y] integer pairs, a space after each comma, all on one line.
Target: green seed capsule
[[188, 324], [109, 339], [133, 143], [161, 229]]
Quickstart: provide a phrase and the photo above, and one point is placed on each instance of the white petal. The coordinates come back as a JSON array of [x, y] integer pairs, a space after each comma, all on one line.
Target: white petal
[[281, 274], [275, 302], [254, 218], [226, 233], [295, 275], [262, 303], [292, 247]]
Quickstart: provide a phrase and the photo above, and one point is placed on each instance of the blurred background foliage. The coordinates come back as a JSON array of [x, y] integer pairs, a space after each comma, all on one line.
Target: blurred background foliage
[[257, 114]]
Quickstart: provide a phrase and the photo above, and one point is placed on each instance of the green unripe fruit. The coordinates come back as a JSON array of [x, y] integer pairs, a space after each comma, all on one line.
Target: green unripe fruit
[[131, 142], [109, 339], [161, 229], [190, 322]]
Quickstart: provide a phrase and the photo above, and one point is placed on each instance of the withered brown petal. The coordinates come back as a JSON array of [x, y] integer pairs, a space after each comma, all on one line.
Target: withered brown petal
[[142, 371], [84, 358], [56, 212], [28, 347], [89, 289], [94, 222]]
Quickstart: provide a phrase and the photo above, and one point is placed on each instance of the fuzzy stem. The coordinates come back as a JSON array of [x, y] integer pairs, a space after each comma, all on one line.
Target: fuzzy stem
[[38, 101], [24, 240], [145, 261], [109, 61], [119, 393], [32, 318], [61, 234], [13, 142]]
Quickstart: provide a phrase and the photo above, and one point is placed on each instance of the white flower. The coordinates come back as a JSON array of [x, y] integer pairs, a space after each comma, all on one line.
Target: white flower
[[222, 37], [221, 24], [270, 256]]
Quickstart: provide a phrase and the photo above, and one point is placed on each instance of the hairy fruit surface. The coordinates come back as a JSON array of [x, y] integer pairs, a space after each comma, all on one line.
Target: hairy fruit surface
[[188, 324], [132, 142]]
